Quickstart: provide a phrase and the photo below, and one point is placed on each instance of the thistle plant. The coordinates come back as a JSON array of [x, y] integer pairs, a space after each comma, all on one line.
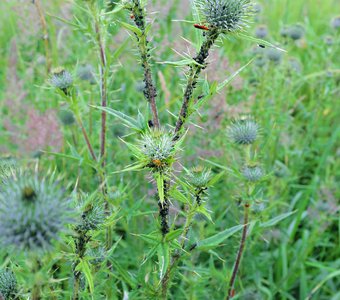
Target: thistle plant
[[92, 217], [8, 285], [244, 133], [36, 215]]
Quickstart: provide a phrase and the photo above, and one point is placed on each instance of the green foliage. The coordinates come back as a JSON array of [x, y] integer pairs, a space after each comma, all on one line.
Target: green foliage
[[117, 250]]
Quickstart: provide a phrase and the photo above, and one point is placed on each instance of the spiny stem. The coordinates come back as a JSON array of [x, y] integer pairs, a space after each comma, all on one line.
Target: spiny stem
[[164, 209], [192, 78], [103, 87], [45, 34], [239, 253], [150, 91], [176, 257]]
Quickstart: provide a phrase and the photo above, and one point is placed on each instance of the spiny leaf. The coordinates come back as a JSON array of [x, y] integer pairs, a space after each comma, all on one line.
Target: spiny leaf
[[218, 238], [277, 219]]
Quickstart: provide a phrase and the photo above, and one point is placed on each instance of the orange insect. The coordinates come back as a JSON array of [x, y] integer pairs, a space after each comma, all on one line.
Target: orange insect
[[157, 162], [132, 17], [202, 27]]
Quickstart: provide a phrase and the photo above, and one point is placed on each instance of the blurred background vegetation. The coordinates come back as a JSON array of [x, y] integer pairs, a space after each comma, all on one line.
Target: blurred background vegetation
[[295, 97]]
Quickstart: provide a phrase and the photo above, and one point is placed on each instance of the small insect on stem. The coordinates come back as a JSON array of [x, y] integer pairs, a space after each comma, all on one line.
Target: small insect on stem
[[262, 46], [132, 17], [202, 27]]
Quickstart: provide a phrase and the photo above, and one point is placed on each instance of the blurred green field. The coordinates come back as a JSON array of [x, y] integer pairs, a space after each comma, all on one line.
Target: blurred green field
[[295, 97]]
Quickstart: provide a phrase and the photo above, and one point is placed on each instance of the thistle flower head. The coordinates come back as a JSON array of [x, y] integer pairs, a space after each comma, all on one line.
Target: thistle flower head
[[91, 218], [8, 285], [226, 15], [66, 117], [295, 32], [157, 148], [243, 132], [261, 31], [274, 55], [97, 255], [335, 22], [199, 176], [252, 173], [61, 79], [33, 212]]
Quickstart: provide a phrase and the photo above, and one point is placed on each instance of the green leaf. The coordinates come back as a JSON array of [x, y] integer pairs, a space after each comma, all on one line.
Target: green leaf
[[231, 78], [132, 28], [176, 194], [277, 219], [163, 258], [173, 235], [131, 281], [218, 238], [84, 267], [259, 41], [127, 120], [181, 63]]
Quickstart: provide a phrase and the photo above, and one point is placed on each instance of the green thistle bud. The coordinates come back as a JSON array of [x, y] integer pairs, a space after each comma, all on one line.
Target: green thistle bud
[[261, 31], [252, 173], [199, 177], [274, 55], [243, 132], [296, 32], [91, 219], [8, 285], [226, 15], [61, 79], [97, 255], [33, 213], [66, 117], [158, 148], [335, 23]]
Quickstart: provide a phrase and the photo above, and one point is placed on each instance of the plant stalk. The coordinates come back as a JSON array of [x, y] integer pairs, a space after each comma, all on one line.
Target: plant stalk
[[150, 91], [239, 253], [192, 78], [45, 34]]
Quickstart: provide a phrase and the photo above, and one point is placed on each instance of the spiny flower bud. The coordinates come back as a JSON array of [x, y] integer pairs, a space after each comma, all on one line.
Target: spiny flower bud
[[158, 147], [261, 31], [8, 285], [199, 177], [226, 15], [97, 255], [335, 23], [66, 117], [296, 32], [33, 213], [274, 55], [243, 132], [61, 79], [252, 173], [91, 218]]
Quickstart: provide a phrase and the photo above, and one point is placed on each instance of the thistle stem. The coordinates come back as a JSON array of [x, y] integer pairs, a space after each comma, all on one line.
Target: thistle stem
[[176, 257], [150, 91], [239, 253], [87, 140], [164, 209], [192, 78], [45, 34]]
